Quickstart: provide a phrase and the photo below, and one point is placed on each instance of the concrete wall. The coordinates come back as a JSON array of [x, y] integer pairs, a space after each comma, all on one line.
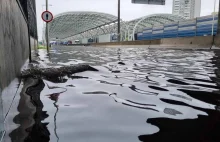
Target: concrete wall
[[105, 38], [187, 42], [217, 40], [34, 44], [14, 49], [85, 41], [140, 42], [14, 42], [199, 41]]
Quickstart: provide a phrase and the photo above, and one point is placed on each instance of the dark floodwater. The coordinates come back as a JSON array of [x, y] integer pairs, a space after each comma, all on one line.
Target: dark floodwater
[[138, 94]]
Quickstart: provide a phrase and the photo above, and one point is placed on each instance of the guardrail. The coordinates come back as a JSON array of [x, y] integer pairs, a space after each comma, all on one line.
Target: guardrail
[[201, 26]]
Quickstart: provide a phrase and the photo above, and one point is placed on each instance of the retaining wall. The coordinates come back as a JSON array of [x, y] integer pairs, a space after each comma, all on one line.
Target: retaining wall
[[14, 42], [140, 42], [217, 40], [34, 44], [14, 49], [203, 41], [187, 42]]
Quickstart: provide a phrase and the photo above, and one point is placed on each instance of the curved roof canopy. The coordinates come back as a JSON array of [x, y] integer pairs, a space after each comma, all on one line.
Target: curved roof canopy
[[79, 25], [153, 20], [74, 23]]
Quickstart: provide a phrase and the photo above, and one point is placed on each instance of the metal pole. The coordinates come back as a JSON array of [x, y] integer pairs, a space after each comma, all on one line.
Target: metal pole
[[43, 27], [218, 32], [47, 32], [213, 22], [119, 19]]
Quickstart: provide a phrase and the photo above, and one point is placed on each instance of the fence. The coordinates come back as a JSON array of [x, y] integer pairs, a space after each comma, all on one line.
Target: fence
[[201, 26], [29, 9]]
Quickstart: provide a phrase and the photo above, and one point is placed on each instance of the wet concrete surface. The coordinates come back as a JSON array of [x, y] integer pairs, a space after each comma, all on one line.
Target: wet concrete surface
[[138, 94]]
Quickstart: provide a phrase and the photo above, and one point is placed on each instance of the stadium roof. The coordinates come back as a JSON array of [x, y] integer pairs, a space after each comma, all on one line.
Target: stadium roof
[[78, 25], [153, 20], [73, 23]]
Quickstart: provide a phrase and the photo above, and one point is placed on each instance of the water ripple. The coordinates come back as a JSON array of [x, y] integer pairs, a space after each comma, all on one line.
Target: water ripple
[[138, 94]]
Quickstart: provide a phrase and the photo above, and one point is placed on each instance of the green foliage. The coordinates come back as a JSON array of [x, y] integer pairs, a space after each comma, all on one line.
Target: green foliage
[[42, 47]]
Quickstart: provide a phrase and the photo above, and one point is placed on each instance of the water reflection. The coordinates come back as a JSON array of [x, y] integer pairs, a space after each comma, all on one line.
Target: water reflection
[[204, 128], [138, 94], [133, 104], [31, 115], [55, 97]]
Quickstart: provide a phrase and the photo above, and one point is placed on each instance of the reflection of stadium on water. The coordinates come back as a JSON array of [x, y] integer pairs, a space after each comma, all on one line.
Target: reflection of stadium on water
[[31, 115]]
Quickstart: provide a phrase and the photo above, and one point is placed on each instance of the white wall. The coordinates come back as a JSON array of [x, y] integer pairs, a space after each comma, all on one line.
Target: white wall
[[105, 38], [85, 41]]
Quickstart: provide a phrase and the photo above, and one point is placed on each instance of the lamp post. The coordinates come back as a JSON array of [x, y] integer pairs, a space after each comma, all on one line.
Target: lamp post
[[119, 20]]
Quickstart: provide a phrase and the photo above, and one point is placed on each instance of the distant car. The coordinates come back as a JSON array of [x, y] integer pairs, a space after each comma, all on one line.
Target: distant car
[[69, 42]]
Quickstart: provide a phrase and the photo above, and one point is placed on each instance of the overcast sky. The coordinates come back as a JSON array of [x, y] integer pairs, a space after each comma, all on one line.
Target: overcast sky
[[129, 11]]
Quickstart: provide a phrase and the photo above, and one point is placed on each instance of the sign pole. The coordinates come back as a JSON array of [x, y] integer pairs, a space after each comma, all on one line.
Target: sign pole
[[119, 20], [47, 32], [218, 28]]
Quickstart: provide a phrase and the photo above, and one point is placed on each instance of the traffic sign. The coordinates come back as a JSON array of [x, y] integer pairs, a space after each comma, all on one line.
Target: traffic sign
[[47, 16]]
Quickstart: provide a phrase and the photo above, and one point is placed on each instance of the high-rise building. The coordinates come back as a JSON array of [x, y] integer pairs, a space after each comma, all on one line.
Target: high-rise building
[[187, 8]]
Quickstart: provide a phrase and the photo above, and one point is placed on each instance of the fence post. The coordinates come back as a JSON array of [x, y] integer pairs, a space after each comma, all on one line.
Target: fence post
[[196, 28], [151, 32], [178, 29], [163, 30], [218, 25]]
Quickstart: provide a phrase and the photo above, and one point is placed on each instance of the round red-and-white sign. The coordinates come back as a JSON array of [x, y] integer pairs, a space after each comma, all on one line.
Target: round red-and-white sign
[[47, 16]]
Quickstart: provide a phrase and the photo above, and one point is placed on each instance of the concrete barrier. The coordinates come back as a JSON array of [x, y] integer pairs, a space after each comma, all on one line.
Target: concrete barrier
[[199, 41], [217, 40], [140, 42], [184, 42]]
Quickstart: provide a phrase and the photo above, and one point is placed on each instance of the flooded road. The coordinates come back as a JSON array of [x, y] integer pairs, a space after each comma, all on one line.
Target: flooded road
[[138, 94]]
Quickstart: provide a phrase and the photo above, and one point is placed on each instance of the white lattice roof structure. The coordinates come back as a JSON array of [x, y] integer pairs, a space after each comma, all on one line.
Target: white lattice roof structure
[[79, 25]]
